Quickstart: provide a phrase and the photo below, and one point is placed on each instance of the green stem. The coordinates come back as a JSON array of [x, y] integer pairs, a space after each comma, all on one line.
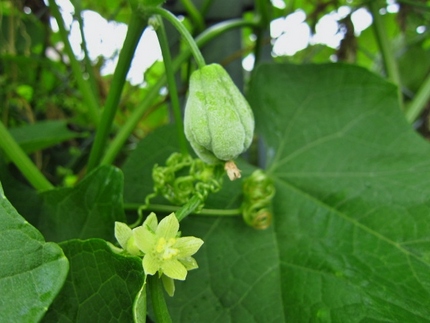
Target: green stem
[[263, 22], [419, 102], [158, 301], [204, 8], [135, 29], [183, 31], [171, 83], [386, 50], [85, 88], [172, 208], [132, 121], [194, 14], [124, 132], [14, 152], [139, 305], [87, 61], [188, 208]]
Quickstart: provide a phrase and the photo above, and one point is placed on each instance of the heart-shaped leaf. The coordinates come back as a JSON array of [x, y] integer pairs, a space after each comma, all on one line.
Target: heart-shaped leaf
[[352, 205]]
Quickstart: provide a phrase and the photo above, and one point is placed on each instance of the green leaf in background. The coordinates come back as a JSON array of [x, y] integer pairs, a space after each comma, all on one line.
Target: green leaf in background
[[23, 197], [32, 271], [43, 134], [414, 66], [352, 210], [155, 148], [88, 210], [101, 285]]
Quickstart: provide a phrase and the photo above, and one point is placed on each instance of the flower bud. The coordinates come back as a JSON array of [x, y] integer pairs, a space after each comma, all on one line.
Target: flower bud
[[218, 122]]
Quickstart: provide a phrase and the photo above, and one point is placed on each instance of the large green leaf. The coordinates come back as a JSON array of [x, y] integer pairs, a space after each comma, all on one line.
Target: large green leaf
[[101, 285], [352, 205], [31, 270], [88, 210]]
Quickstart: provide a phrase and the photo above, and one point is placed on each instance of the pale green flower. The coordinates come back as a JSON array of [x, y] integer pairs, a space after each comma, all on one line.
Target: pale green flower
[[166, 252], [125, 237]]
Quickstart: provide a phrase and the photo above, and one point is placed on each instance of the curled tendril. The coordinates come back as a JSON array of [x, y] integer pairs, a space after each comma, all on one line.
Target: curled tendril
[[258, 191], [184, 177], [208, 178]]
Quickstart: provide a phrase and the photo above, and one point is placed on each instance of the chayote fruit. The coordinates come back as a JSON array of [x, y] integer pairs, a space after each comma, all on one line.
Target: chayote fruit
[[218, 122]]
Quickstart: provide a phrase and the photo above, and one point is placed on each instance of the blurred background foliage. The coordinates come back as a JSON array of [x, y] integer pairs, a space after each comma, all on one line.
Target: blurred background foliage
[[37, 83]]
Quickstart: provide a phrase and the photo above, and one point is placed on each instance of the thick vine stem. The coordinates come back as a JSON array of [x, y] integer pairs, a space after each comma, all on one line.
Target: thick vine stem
[[135, 29]]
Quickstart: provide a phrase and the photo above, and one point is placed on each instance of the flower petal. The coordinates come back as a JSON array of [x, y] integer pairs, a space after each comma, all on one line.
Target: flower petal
[[151, 222], [144, 239], [169, 285], [150, 264], [187, 246], [174, 269], [132, 248], [189, 263], [122, 233], [168, 227]]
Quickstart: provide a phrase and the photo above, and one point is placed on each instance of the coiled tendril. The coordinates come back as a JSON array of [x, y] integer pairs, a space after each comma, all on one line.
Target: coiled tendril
[[183, 177], [258, 191]]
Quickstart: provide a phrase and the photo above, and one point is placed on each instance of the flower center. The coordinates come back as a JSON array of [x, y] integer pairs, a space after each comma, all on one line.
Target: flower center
[[164, 248]]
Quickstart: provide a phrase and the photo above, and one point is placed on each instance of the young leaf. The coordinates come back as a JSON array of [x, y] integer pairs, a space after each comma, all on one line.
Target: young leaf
[[31, 270]]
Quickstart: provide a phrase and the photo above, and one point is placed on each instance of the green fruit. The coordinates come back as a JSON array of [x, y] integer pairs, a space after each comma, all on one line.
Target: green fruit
[[219, 123]]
